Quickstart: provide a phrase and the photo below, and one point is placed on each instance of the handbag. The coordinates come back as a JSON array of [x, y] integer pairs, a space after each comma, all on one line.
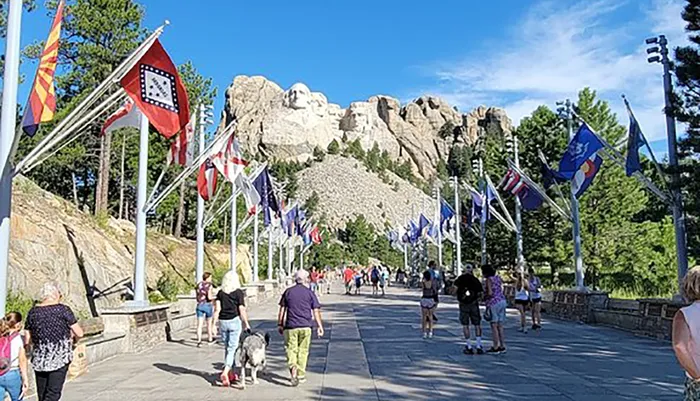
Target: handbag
[[487, 314]]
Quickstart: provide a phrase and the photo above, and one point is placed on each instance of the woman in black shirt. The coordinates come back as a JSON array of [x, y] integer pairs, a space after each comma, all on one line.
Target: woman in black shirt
[[233, 319]]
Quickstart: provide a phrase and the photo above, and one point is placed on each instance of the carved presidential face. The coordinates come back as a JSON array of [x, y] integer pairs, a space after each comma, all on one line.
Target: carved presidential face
[[298, 97]]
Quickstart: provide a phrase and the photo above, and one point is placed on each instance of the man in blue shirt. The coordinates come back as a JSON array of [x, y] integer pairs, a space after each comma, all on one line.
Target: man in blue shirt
[[299, 307]]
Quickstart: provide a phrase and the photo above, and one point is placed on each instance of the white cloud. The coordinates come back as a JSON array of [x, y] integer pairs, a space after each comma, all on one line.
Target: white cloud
[[560, 48]]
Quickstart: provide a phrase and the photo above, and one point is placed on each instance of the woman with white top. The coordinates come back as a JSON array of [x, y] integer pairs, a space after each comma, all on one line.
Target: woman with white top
[[535, 299], [14, 380], [522, 298], [686, 335]]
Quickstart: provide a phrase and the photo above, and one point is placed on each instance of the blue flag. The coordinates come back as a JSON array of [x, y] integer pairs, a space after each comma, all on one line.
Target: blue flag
[[635, 140], [423, 223], [299, 222], [289, 221], [446, 215], [582, 146], [268, 200], [585, 175], [413, 231], [549, 177]]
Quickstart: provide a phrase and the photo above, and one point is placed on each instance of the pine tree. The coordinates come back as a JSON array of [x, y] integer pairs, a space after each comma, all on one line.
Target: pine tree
[[687, 110]]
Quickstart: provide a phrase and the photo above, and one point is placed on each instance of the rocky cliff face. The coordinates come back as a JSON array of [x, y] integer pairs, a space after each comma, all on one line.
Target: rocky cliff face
[[347, 190], [288, 125], [53, 240]]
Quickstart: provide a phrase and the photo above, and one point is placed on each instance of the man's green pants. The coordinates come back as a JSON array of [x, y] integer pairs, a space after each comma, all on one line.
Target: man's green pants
[[296, 344]]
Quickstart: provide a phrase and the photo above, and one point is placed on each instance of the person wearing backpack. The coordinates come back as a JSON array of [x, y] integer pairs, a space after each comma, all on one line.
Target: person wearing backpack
[[205, 308], [51, 328], [374, 276], [13, 359], [469, 290]]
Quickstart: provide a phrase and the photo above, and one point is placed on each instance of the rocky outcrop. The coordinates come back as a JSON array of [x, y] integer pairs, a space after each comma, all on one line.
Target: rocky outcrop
[[288, 125], [346, 190], [53, 240]]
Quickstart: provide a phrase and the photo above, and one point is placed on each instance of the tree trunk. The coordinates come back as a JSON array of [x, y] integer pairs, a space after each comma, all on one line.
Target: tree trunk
[[180, 211], [121, 183], [75, 190], [102, 196]]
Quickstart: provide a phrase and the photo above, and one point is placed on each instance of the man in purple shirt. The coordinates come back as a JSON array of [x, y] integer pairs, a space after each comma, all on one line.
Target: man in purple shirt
[[299, 307]]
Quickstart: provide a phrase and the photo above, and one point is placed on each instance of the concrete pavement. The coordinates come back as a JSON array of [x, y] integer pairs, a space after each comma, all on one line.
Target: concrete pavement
[[373, 351]]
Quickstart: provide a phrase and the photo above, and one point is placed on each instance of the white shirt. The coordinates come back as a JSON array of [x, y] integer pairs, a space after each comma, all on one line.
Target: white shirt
[[692, 317], [15, 348]]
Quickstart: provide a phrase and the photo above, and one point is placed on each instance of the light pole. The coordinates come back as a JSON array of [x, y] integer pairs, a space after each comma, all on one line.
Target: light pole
[[660, 55], [203, 120], [512, 144], [565, 110]]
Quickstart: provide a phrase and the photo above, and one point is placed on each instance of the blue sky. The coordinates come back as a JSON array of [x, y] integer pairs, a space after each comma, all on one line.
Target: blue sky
[[510, 53]]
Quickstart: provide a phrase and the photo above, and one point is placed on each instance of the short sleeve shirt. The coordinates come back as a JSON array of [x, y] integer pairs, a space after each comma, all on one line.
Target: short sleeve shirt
[[50, 331], [300, 302], [469, 287], [230, 303]]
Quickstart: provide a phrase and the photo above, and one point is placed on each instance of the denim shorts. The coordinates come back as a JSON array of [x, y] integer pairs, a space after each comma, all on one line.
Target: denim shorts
[[498, 312], [205, 310]]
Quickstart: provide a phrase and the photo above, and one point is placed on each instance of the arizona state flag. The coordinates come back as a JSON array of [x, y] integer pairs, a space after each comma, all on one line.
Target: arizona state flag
[[41, 106], [156, 88]]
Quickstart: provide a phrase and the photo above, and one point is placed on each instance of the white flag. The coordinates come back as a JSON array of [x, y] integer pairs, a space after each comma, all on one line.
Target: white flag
[[228, 159], [126, 116]]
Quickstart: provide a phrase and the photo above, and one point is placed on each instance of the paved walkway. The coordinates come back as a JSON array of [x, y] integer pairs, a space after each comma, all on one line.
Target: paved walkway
[[373, 351]]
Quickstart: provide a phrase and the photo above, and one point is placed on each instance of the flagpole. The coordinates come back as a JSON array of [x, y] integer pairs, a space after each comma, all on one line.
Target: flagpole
[[438, 222], [270, 252], [484, 209], [199, 269], [234, 227], [518, 215], [8, 122], [458, 221], [142, 193], [256, 241], [301, 256], [280, 265], [576, 226]]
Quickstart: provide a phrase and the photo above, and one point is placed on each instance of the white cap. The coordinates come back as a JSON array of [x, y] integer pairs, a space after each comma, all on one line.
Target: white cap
[[301, 276]]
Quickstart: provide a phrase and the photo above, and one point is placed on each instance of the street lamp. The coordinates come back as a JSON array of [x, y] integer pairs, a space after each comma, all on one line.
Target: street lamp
[[660, 55]]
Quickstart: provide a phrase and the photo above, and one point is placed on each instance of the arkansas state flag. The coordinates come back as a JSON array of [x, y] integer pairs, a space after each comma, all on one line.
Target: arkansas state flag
[[206, 181], [155, 86]]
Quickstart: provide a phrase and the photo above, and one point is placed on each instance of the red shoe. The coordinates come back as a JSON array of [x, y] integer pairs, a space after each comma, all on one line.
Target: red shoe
[[232, 376], [225, 382]]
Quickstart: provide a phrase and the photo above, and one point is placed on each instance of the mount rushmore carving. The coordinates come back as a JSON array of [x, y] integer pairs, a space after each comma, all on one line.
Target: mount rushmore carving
[[288, 125]]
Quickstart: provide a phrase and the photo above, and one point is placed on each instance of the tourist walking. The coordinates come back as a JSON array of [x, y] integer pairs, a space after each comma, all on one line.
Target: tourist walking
[[299, 307], [428, 304], [348, 278], [205, 308], [535, 299], [315, 277], [495, 308], [522, 299], [51, 329], [358, 281], [437, 279], [13, 360], [233, 319], [383, 279], [374, 276], [469, 291], [686, 335]]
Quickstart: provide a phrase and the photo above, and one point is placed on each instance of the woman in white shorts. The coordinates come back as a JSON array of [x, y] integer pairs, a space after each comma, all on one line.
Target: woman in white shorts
[[427, 304]]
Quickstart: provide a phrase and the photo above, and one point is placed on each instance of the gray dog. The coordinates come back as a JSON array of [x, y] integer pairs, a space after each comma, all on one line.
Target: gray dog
[[251, 353]]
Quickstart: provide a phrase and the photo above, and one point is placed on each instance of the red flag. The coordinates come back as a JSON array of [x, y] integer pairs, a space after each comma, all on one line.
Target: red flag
[[155, 86], [315, 235], [206, 181], [181, 148], [229, 159]]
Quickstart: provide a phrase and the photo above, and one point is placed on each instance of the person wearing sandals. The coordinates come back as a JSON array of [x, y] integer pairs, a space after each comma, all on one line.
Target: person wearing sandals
[[495, 308], [428, 304], [522, 299], [686, 335], [231, 314], [535, 299]]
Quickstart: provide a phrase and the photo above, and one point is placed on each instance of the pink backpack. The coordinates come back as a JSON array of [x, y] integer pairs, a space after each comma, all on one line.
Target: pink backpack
[[6, 352]]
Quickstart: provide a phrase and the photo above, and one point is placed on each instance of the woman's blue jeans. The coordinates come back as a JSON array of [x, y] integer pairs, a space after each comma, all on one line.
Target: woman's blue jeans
[[230, 334]]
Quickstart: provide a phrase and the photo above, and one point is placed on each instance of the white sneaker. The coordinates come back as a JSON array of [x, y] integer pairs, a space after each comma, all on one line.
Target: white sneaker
[[425, 336], [430, 335]]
